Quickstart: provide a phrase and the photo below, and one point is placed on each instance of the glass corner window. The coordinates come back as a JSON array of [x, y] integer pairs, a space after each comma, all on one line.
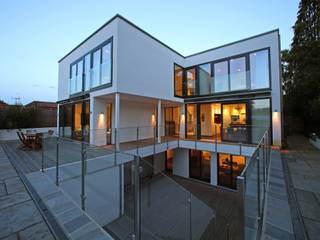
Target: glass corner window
[[92, 70], [191, 81], [178, 81], [238, 74], [204, 79], [259, 69]]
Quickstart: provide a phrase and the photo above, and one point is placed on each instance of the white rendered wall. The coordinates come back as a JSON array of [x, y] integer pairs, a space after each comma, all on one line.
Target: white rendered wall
[[214, 168], [158, 162], [145, 66], [97, 122], [181, 162]]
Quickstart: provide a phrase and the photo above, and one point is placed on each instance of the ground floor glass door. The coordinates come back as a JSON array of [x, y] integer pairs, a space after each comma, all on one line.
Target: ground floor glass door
[[172, 121], [199, 165], [229, 167]]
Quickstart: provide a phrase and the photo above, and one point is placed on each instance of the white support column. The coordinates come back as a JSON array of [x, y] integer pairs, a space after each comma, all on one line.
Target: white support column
[[214, 170], [159, 121], [117, 120]]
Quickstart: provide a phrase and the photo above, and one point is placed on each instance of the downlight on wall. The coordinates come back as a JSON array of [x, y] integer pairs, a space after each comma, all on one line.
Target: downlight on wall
[[101, 117], [275, 116], [153, 119], [182, 119]]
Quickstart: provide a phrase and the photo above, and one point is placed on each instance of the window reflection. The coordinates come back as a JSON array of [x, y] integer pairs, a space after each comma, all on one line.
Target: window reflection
[[221, 79], [106, 64], [204, 79], [259, 69], [191, 81], [238, 79], [178, 78]]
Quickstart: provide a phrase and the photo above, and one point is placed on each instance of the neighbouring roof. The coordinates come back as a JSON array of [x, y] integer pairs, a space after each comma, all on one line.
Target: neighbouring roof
[[149, 35]]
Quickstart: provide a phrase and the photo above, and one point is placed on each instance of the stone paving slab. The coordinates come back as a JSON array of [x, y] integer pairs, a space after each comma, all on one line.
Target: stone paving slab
[[303, 161], [72, 219], [277, 216], [19, 216]]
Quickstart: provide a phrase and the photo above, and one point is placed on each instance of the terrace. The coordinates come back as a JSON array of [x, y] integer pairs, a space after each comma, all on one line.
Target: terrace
[[96, 188]]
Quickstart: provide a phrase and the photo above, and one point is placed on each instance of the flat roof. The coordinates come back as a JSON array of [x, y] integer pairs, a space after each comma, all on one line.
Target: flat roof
[[149, 35]]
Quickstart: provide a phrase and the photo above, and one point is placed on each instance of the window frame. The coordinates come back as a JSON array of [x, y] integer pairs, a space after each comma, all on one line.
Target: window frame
[[99, 47], [248, 80]]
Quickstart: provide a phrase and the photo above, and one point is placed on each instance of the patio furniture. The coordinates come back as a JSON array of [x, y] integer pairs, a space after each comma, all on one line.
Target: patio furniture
[[50, 132], [25, 143]]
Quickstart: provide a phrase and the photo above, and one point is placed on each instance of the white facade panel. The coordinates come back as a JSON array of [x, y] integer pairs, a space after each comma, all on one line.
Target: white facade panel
[[146, 66]]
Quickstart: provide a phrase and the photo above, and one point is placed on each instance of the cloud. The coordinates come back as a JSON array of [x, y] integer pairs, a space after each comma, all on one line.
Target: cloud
[[52, 87]]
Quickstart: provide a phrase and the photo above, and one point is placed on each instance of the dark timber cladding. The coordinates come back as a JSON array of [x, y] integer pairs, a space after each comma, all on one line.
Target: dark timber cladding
[[149, 35]]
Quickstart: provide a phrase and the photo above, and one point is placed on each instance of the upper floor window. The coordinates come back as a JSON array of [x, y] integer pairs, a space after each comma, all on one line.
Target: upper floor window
[[191, 82], [178, 79], [259, 69], [238, 78], [92, 70], [204, 79], [221, 77], [249, 71]]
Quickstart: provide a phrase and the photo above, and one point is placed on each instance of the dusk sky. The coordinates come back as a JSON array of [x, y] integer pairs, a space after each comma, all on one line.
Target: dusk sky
[[36, 34]]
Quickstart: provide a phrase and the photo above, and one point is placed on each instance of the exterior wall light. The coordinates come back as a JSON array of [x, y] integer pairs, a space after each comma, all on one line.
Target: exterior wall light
[[182, 118], [275, 115], [101, 116], [153, 118]]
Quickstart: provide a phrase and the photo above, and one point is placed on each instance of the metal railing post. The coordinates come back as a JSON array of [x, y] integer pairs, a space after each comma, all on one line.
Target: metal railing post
[[137, 199], [42, 155], [196, 137], [241, 208], [137, 140], [83, 171], [115, 146], [190, 216], [57, 161], [258, 185]]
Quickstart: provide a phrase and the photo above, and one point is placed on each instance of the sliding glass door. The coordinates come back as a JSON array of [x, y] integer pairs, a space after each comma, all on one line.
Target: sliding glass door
[[172, 121], [229, 167], [234, 122], [199, 165], [210, 121]]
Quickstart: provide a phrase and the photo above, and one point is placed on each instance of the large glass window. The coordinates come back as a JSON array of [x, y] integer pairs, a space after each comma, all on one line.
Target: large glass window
[[210, 121], [73, 79], [172, 121], [191, 82], [204, 79], [191, 120], [79, 76], [169, 160], [106, 64], [178, 79], [238, 76], [87, 66], [95, 72], [260, 118], [199, 165], [259, 69], [67, 121], [229, 167], [234, 122], [221, 77]]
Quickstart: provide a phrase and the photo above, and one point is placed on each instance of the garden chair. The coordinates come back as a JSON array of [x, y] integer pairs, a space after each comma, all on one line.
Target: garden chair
[[25, 144]]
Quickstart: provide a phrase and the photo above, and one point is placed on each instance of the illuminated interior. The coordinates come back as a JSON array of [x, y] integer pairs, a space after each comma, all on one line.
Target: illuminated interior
[[191, 120], [191, 81], [169, 157], [200, 165], [172, 121], [210, 121], [229, 167]]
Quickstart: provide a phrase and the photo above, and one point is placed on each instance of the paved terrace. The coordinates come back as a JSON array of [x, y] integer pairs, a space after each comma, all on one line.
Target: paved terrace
[[302, 160], [219, 199], [19, 216]]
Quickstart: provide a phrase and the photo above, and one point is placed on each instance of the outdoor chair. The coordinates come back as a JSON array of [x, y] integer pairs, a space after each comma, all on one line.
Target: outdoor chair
[[25, 144], [50, 132]]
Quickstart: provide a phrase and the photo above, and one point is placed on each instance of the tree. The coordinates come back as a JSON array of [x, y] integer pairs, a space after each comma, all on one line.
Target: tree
[[301, 67]]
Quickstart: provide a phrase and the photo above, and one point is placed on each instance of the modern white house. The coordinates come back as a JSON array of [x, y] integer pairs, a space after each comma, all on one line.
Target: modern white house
[[199, 116]]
